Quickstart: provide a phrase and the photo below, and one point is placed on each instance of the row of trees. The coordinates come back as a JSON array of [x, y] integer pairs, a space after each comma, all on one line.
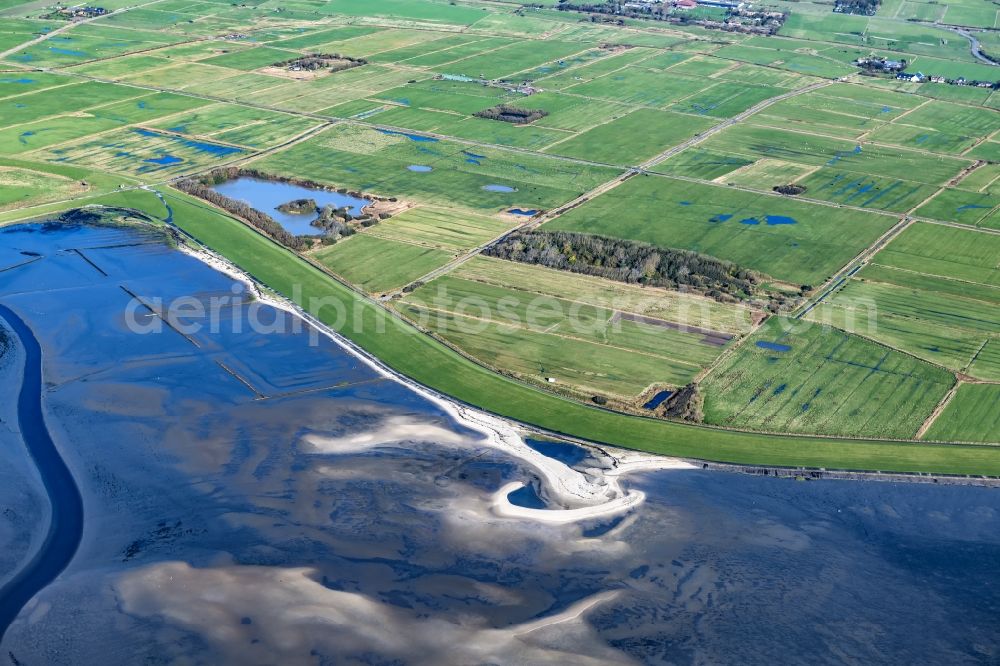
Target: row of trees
[[629, 261], [862, 7], [731, 19]]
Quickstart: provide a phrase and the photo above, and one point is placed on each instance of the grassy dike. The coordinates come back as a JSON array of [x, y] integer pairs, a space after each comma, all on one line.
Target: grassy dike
[[421, 358]]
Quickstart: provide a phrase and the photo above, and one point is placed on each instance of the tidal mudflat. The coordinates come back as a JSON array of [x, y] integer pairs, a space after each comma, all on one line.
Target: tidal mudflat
[[260, 494]]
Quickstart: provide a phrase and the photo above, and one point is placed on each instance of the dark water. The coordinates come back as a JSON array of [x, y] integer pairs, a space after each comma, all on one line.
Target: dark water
[[568, 454], [66, 516], [657, 399], [267, 195], [264, 497]]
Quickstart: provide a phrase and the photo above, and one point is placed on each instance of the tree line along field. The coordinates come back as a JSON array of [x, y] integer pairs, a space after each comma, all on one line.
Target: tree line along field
[[175, 88]]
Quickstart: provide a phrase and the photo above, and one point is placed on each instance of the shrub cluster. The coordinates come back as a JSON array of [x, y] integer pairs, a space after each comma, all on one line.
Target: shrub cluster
[[791, 189], [512, 114], [317, 61]]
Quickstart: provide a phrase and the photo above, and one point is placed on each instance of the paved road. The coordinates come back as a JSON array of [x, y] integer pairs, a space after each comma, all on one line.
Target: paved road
[[974, 46]]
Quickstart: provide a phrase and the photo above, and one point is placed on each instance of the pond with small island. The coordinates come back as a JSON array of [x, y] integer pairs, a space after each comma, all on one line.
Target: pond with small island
[[271, 196]]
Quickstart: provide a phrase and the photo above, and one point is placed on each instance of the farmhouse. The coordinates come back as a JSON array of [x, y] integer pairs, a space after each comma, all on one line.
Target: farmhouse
[[879, 63], [75, 13]]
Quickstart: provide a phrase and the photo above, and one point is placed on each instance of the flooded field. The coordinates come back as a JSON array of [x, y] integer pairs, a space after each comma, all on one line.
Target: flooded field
[[252, 492]]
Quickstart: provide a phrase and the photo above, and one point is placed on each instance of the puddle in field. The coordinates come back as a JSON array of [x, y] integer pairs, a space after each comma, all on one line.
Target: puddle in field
[[473, 158], [420, 168], [840, 154], [164, 160], [779, 219], [773, 346], [770, 220], [704, 108], [214, 149], [412, 137], [522, 212], [67, 52], [499, 188]]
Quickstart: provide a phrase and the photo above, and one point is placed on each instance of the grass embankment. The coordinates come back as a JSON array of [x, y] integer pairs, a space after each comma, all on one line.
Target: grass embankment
[[428, 362]]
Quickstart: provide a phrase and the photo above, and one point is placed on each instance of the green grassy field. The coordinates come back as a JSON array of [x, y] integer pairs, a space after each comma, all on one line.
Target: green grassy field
[[27, 184], [426, 361], [538, 336], [972, 415], [632, 139], [803, 243], [173, 88], [371, 160], [378, 264], [803, 377], [682, 308], [941, 311], [441, 228]]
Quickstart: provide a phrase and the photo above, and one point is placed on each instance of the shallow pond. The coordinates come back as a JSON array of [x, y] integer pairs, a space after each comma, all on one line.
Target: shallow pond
[[499, 188], [266, 196], [657, 399]]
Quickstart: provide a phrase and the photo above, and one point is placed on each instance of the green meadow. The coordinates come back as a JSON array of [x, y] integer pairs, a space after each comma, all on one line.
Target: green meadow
[[886, 327], [789, 240]]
